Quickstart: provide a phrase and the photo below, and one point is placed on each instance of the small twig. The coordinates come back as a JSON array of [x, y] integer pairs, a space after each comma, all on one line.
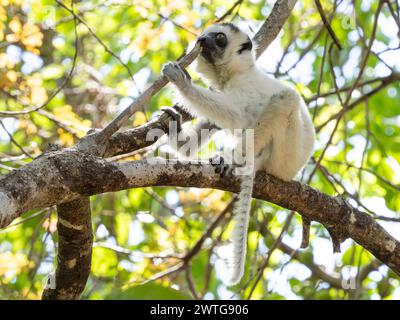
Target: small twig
[[174, 269], [14, 141], [163, 17], [327, 25], [229, 11], [105, 47], [69, 75], [207, 234], [191, 284], [103, 136], [265, 263], [306, 233], [384, 83], [21, 221]]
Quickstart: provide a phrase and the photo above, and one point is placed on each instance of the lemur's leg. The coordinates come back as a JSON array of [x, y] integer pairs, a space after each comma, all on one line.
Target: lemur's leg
[[233, 156], [278, 134], [210, 104], [277, 112]]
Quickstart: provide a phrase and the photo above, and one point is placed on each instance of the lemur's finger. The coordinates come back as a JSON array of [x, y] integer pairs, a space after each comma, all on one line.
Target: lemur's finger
[[183, 70]]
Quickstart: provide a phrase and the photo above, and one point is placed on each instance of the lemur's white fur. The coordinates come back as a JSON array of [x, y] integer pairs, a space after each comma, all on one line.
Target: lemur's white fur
[[244, 97]]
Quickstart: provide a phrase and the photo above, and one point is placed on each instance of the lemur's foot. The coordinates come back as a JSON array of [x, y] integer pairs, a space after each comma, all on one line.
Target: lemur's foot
[[174, 114], [219, 165], [176, 74]]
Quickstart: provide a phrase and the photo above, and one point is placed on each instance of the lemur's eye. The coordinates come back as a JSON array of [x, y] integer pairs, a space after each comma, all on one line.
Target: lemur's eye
[[220, 40]]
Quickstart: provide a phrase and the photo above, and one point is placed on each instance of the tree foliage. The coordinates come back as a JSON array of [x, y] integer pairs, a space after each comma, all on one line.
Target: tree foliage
[[62, 74]]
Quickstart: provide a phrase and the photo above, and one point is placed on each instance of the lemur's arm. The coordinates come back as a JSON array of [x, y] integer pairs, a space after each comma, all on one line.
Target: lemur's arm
[[203, 102]]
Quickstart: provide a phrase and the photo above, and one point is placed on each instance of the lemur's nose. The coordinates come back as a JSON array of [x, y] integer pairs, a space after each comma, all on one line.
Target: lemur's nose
[[206, 41], [201, 39]]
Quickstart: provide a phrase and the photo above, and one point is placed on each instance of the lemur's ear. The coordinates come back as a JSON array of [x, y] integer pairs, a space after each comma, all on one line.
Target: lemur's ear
[[245, 46]]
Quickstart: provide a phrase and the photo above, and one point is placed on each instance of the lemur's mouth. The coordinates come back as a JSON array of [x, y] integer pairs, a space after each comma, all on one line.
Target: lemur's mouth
[[206, 53], [207, 45]]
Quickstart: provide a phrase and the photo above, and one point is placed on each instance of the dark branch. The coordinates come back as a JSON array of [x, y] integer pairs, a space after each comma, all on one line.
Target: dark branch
[[65, 175], [75, 239]]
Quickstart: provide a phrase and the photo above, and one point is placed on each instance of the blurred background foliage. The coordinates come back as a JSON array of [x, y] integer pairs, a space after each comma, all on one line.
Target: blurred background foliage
[[61, 75]]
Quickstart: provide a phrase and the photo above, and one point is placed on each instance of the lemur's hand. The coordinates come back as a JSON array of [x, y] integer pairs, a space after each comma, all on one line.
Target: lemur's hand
[[175, 115], [176, 74]]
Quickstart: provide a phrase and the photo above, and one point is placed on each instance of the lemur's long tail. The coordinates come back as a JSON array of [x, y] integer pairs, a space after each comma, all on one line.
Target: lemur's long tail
[[241, 213]]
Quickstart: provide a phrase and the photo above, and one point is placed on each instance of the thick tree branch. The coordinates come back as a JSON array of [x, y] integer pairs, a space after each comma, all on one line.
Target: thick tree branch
[[273, 24], [135, 139], [65, 175], [75, 239]]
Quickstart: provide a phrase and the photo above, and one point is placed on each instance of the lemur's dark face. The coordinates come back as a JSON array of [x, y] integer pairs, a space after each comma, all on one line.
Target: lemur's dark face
[[223, 42], [213, 45], [225, 51]]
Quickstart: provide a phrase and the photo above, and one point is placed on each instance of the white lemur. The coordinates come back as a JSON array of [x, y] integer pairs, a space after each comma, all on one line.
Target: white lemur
[[244, 97]]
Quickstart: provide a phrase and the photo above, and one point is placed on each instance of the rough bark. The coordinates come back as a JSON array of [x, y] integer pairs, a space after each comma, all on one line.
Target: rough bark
[[75, 239], [75, 174], [273, 24], [135, 139]]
